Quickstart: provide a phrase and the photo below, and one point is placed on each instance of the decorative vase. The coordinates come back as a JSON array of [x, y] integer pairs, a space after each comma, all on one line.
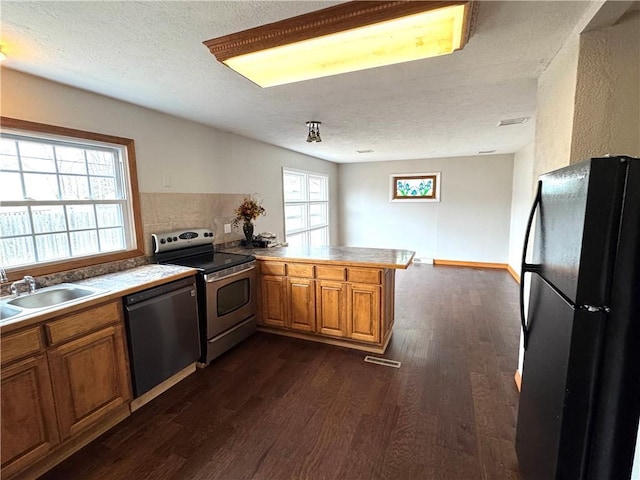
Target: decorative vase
[[247, 228]]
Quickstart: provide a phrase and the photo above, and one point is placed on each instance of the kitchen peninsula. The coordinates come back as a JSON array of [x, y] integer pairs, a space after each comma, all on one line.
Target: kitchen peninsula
[[337, 295]]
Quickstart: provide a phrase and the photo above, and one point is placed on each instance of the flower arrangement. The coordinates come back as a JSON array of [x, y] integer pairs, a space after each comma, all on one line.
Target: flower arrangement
[[249, 210]]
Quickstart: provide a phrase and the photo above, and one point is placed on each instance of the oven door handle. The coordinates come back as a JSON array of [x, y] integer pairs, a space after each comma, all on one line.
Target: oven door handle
[[217, 279]]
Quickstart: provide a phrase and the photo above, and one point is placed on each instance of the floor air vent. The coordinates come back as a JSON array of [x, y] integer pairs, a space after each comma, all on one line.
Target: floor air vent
[[382, 361]]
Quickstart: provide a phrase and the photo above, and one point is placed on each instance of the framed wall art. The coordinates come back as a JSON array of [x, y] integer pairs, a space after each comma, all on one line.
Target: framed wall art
[[415, 187]]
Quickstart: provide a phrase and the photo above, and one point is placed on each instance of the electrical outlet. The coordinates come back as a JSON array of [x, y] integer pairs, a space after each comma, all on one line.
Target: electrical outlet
[[227, 228], [166, 180]]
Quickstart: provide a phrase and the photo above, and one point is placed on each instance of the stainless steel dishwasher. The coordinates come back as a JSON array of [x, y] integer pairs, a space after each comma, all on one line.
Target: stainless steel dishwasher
[[162, 332]]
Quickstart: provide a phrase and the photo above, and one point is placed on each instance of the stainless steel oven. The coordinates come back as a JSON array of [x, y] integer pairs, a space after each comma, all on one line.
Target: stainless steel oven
[[226, 285], [231, 297], [229, 308]]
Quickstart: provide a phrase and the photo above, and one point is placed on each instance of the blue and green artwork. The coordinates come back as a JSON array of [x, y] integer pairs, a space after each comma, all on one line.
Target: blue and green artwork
[[415, 187]]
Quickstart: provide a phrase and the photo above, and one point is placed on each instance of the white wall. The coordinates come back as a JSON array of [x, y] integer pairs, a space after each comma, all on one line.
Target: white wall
[[607, 109], [470, 223], [555, 109], [197, 158], [521, 198]]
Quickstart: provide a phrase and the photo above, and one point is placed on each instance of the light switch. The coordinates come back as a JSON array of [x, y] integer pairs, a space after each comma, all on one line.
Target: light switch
[[227, 228]]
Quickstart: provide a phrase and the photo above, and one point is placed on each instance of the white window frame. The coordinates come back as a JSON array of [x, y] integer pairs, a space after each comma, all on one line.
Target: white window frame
[[307, 203], [126, 180]]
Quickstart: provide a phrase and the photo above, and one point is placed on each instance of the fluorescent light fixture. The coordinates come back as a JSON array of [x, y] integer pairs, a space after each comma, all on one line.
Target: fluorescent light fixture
[[345, 38]]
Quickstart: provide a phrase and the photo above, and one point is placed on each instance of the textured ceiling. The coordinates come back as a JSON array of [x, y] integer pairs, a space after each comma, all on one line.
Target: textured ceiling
[[151, 54]]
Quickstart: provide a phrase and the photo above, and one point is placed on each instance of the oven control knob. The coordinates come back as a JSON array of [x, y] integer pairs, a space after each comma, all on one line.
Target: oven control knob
[[169, 239], [162, 240], [175, 239]]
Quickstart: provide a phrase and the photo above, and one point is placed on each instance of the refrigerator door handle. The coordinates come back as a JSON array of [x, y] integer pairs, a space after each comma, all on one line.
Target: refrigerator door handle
[[528, 267]]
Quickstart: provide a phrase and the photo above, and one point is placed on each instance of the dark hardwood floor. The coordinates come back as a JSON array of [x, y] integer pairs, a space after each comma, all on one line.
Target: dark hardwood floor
[[282, 408]]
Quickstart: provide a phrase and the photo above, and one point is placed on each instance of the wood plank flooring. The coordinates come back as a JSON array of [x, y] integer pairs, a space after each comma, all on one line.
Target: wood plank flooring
[[281, 408]]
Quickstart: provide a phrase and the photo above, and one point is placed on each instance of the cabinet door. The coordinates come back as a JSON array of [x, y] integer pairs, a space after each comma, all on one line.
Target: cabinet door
[[273, 301], [302, 305], [90, 378], [29, 429], [363, 312], [331, 308]]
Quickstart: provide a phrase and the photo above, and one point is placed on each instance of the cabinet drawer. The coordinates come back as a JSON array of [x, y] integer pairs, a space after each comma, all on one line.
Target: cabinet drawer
[[272, 268], [20, 344], [79, 323], [300, 270], [365, 275], [324, 272]]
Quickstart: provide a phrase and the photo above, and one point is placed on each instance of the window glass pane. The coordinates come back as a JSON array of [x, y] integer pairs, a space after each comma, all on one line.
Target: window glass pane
[[81, 217], [71, 160], [52, 247], [318, 237], [83, 243], [294, 187], [111, 239], [101, 163], [317, 188], [317, 214], [8, 156], [49, 219], [47, 178], [103, 188], [109, 215], [294, 217], [16, 251], [11, 186], [306, 208], [36, 157], [41, 186], [297, 240], [74, 187], [14, 221]]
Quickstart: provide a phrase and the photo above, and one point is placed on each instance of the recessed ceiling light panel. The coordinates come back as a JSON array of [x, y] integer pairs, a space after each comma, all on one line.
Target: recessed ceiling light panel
[[345, 38]]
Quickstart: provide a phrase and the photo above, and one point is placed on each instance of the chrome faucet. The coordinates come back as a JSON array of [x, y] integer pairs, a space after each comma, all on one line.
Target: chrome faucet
[[27, 280], [3, 275]]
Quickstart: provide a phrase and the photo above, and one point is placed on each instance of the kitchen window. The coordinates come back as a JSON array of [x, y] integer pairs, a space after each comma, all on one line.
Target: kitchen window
[[306, 208], [66, 195]]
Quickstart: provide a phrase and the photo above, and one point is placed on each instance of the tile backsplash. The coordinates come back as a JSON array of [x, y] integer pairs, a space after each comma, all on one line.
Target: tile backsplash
[[174, 211]]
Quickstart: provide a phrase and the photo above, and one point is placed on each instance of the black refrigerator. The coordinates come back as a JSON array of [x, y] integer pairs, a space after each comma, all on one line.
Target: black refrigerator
[[580, 393]]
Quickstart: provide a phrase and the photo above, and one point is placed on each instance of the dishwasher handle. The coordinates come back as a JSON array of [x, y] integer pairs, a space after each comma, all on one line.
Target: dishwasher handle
[[160, 290]]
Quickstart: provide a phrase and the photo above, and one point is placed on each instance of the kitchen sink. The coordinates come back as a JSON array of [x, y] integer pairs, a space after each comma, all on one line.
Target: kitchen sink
[[48, 297], [7, 311]]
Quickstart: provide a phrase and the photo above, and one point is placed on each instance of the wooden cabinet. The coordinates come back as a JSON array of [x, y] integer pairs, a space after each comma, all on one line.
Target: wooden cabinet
[[301, 304], [273, 301], [331, 308], [29, 429], [61, 393], [348, 305], [363, 312], [287, 301], [89, 379]]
